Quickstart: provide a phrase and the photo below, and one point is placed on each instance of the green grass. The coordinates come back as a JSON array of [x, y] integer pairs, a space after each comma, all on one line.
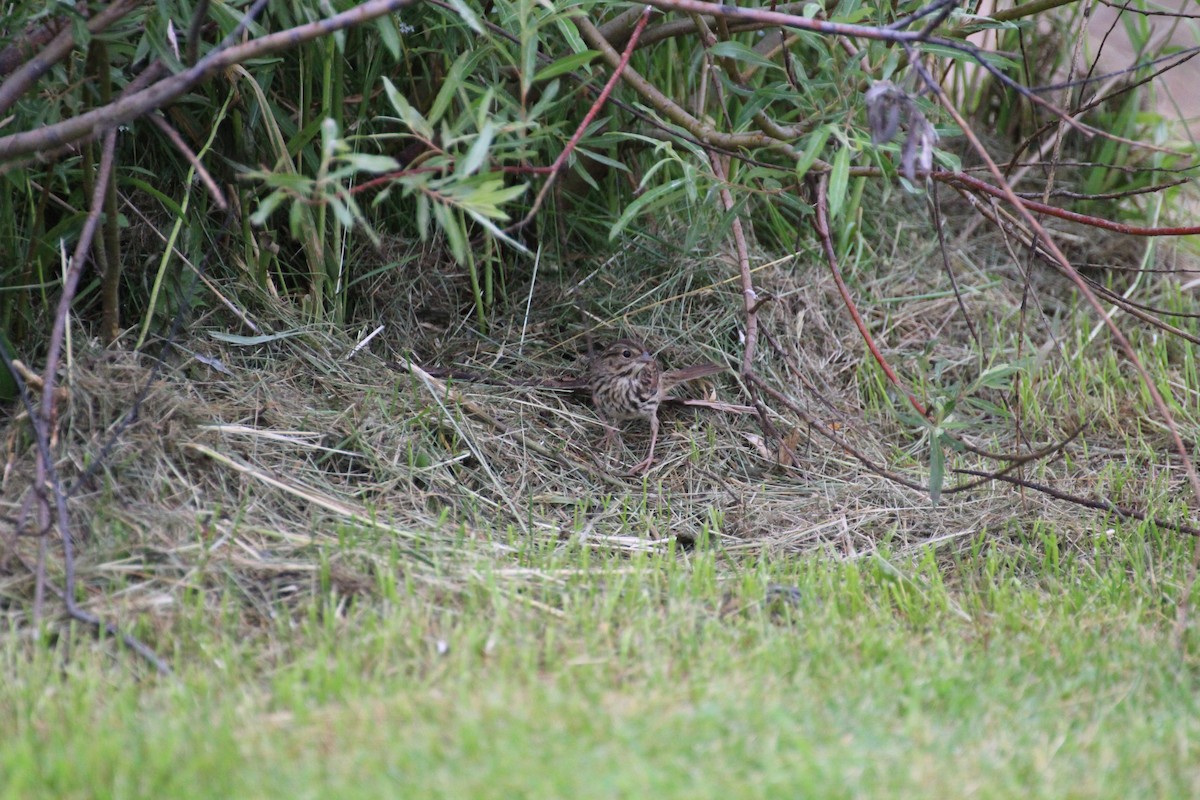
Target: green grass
[[829, 635], [549, 641], [587, 676]]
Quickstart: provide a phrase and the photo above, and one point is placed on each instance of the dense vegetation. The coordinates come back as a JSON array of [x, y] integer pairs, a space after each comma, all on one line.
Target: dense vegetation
[[258, 249]]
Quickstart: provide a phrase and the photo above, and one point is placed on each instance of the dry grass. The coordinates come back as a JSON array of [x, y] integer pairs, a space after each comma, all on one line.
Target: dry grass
[[302, 468]]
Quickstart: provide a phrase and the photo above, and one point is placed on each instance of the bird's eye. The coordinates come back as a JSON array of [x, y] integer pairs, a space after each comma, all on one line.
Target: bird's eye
[[626, 354]]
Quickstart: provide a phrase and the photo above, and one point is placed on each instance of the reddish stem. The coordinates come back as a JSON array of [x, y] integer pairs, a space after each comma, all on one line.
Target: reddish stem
[[822, 225], [587, 120]]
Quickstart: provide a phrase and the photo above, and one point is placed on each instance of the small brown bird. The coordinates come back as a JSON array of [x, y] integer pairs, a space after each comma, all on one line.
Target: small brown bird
[[627, 383]]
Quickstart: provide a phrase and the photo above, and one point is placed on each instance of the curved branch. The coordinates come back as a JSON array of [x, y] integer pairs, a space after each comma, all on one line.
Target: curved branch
[[136, 105], [1061, 213], [668, 107], [821, 223], [19, 82]]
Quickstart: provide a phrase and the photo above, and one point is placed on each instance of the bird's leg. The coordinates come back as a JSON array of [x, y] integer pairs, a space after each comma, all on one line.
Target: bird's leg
[[644, 465], [611, 432]]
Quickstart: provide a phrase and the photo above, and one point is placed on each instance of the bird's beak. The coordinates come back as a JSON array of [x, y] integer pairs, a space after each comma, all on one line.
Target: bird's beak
[[645, 356]]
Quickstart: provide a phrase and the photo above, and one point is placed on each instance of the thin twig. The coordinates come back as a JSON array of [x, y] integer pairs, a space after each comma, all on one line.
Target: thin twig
[[21, 80], [559, 162], [1118, 336], [1005, 191], [821, 428], [821, 224], [127, 109], [191, 157], [47, 474], [1099, 505], [935, 212]]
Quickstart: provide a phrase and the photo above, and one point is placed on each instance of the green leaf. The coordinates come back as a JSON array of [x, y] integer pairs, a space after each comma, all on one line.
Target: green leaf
[[233, 338], [266, 208], [423, 215], [600, 158], [450, 85], [740, 52], [659, 195], [468, 15], [580, 169], [340, 210], [499, 234], [652, 170], [838, 179], [813, 147], [969, 22], [998, 377], [367, 162], [475, 157], [937, 466], [529, 53], [298, 141], [566, 64], [483, 108], [570, 35], [148, 188], [488, 196], [940, 52], [388, 33], [330, 137], [297, 220], [448, 222], [80, 32], [950, 161], [408, 115], [548, 93], [284, 180]]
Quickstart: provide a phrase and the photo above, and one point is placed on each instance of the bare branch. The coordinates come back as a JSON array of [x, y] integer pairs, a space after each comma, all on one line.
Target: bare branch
[[127, 109]]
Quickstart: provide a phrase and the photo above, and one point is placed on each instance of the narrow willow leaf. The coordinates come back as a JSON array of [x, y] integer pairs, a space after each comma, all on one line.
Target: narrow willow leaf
[[947, 53], [286, 180], [570, 35], [580, 169], [266, 207], [388, 33], [529, 53], [172, 206], [600, 158], [478, 152], [838, 179], [468, 15], [330, 137], [813, 148], [360, 220], [450, 85], [368, 162], [423, 215], [974, 22], [340, 211], [950, 161], [999, 376], [548, 94], [740, 52], [567, 64], [487, 198], [408, 115], [297, 220], [652, 170], [937, 467], [483, 108], [246, 341], [448, 221], [658, 196], [495, 231]]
